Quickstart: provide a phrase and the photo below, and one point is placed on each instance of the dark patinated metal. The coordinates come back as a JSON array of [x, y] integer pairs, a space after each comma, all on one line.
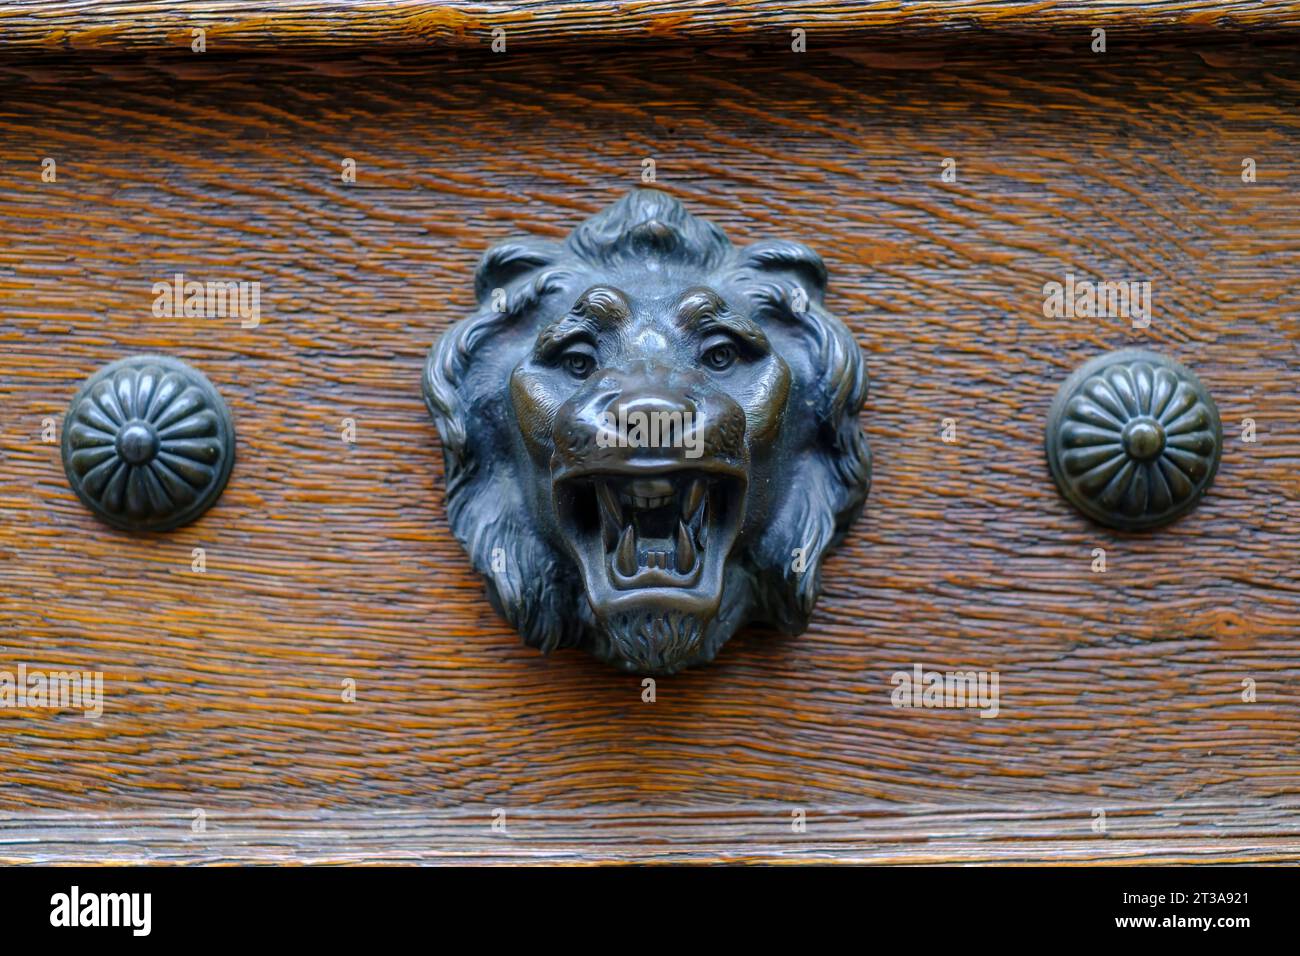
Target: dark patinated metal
[[148, 444], [651, 437], [1133, 439]]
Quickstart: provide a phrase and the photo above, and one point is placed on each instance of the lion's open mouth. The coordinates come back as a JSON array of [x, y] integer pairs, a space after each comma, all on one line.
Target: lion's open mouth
[[667, 530]]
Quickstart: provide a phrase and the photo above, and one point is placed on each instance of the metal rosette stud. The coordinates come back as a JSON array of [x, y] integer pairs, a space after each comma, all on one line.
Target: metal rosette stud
[[1133, 439], [148, 443]]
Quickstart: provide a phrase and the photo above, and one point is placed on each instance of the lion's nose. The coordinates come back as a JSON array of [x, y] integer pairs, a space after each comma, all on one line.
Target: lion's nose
[[650, 400]]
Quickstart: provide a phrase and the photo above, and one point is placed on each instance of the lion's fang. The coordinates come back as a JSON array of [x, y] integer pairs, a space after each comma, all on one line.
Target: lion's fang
[[626, 555], [611, 515], [685, 549], [700, 523], [694, 498]]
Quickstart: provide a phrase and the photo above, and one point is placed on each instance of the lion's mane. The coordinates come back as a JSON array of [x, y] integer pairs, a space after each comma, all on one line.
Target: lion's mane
[[532, 583]]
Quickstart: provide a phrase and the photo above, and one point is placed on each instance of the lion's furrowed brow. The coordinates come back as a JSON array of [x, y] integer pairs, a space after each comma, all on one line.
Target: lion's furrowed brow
[[597, 309], [562, 331], [604, 305], [702, 311]]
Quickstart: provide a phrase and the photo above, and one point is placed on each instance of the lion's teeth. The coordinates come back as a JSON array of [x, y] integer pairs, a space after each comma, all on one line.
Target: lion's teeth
[[626, 554], [685, 549], [643, 503], [655, 559], [611, 515], [694, 497]]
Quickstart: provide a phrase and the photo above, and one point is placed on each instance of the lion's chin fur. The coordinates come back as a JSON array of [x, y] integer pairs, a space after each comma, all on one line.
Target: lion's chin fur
[[658, 643]]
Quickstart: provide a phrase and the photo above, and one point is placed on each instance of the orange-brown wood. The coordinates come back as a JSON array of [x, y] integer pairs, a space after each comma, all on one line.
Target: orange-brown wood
[[330, 562], [361, 25]]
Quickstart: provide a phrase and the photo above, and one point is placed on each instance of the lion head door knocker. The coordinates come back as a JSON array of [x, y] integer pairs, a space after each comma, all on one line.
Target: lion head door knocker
[[651, 437]]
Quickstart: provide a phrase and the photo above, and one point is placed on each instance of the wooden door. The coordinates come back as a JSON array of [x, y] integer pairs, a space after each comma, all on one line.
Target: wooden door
[[1146, 712]]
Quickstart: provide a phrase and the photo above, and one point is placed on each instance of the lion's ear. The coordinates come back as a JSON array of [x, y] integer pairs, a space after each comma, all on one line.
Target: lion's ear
[[793, 258], [502, 265], [507, 261]]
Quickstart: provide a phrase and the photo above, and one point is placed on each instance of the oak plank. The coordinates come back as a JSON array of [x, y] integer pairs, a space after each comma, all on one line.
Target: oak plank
[[242, 26], [1197, 832]]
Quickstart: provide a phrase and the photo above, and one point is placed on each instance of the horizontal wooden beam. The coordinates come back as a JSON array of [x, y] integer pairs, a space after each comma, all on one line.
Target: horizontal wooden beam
[[1194, 831], [334, 25]]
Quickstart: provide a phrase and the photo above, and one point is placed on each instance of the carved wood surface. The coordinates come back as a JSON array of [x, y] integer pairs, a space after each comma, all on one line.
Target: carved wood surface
[[58, 26], [329, 562]]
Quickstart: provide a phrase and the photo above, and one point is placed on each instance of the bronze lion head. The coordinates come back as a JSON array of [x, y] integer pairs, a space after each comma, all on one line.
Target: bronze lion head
[[651, 437]]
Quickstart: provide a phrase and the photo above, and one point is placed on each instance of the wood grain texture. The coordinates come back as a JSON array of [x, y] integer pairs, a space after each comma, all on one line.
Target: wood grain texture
[[315, 25], [1195, 831], [328, 562]]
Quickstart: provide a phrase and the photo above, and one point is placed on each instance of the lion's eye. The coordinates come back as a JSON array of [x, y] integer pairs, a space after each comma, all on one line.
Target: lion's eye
[[578, 364], [720, 357]]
